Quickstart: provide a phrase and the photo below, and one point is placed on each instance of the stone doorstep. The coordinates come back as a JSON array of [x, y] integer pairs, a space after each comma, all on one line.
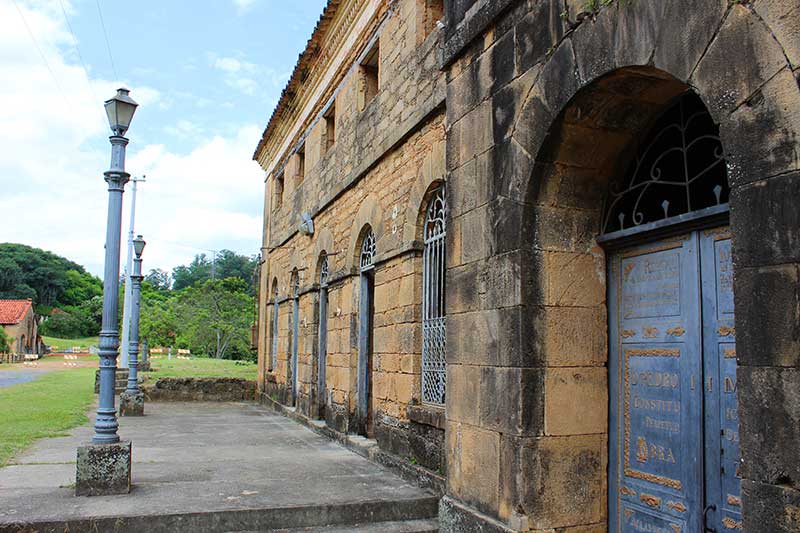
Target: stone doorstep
[[406, 526], [367, 448], [321, 518]]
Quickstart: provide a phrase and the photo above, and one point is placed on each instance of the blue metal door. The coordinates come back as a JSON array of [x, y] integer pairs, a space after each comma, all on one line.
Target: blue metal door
[[656, 394], [723, 486], [671, 340]]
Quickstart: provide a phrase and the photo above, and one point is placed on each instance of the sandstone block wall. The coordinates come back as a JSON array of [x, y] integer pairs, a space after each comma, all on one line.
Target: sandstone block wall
[[543, 104], [385, 160]]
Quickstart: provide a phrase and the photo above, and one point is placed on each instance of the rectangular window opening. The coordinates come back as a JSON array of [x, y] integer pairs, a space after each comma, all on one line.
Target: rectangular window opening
[[279, 184], [370, 76], [300, 169], [330, 127], [429, 13]]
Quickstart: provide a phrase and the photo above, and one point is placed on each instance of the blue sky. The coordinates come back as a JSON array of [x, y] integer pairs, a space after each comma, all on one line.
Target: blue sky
[[207, 75]]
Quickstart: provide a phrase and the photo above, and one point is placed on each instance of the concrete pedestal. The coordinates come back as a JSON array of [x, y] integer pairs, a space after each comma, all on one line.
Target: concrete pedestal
[[131, 404], [103, 469]]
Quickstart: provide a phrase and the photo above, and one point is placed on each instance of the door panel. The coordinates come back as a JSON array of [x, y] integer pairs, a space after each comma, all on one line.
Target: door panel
[[674, 443], [364, 405], [656, 422], [723, 490], [295, 346]]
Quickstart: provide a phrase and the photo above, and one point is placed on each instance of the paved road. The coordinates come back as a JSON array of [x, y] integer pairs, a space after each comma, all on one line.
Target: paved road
[[13, 377]]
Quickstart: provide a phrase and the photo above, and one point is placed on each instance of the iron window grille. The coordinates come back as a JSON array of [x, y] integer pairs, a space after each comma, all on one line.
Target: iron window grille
[[368, 252], [433, 302], [679, 168]]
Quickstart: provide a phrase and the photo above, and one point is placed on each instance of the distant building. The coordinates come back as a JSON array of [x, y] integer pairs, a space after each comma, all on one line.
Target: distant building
[[20, 325], [505, 240]]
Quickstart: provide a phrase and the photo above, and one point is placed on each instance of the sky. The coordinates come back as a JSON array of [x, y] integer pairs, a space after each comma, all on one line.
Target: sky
[[207, 75]]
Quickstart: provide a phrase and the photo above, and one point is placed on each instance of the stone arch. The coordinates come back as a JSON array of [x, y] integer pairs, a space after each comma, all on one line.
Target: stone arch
[[538, 218], [324, 244], [430, 176], [615, 40], [371, 214]]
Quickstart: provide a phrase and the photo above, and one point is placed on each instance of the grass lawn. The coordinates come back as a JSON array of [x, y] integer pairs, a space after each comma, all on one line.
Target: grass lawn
[[45, 407], [200, 367], [61, 344]]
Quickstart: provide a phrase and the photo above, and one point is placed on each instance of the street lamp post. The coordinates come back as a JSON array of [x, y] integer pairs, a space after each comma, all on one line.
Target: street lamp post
[[131, 402], [103, 466], [144, 364]]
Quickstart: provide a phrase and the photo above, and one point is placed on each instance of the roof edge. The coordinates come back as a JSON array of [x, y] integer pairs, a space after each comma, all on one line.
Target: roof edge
[[300, 71]]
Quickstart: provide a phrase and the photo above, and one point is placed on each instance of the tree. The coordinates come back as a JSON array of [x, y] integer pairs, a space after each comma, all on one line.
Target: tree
[[158, 322], [215, 318], [5, 346], [198, 271], [159, 279], [232, 265], [49, 280]]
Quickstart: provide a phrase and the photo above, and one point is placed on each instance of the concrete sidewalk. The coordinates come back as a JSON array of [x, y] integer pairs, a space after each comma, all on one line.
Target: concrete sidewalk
[[212, 467]]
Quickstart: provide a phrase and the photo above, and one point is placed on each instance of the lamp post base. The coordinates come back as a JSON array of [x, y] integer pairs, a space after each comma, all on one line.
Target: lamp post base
[[131, 404], [103, 469]]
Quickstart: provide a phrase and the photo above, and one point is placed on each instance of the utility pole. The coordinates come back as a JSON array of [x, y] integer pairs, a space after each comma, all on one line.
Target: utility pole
[[126, 310]]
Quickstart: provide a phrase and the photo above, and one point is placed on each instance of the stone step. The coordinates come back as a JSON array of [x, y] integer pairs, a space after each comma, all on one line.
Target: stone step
[[416, 515], [404, 526]]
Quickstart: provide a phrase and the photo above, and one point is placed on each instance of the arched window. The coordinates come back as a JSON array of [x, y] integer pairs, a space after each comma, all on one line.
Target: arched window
[[679, 169], [323, 331], [274, 350], [368, 248], [433, 301]]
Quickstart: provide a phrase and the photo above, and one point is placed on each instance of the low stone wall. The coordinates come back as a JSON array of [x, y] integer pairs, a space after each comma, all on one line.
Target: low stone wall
[[200, 390]]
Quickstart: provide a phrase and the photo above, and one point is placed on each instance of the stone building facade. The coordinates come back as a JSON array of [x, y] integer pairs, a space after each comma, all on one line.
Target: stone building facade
[[622, 255], [356, 147]]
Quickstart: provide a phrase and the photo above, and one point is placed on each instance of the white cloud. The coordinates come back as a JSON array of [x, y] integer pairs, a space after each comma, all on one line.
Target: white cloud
[[210, 198], [246, 85], [238, 73], [55, 149], [242, 6], [231, 64], [185, 129]]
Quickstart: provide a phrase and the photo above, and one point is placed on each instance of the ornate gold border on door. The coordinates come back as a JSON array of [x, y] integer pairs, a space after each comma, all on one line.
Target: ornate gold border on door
[[628, 471]]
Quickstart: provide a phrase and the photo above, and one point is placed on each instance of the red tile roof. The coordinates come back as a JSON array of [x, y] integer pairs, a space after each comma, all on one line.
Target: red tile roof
[[13, 311]]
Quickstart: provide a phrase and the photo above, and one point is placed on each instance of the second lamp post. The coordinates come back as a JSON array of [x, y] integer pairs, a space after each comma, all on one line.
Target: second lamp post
[[131, 402]]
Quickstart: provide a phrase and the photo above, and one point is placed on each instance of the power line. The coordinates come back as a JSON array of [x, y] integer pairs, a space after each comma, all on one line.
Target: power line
[[80, 56], [105, 34], [41, 54]]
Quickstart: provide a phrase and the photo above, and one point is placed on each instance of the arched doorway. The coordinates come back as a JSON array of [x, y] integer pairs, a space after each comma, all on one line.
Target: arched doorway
[[634, 296], [294, 336], [366, 312], [673, 430], [322, 336]]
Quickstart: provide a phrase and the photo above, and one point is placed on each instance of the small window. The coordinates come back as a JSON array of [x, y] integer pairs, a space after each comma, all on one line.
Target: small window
[[300, 164], [429, 13], [330, 127], [279, 184], [370, 76]]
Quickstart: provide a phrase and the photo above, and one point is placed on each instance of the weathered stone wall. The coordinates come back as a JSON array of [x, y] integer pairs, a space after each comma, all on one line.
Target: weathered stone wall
[[385, 160], [28, 328], [544, 105], [200, 390]]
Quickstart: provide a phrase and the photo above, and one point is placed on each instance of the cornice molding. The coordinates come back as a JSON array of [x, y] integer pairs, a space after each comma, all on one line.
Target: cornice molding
[[320, 58]]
